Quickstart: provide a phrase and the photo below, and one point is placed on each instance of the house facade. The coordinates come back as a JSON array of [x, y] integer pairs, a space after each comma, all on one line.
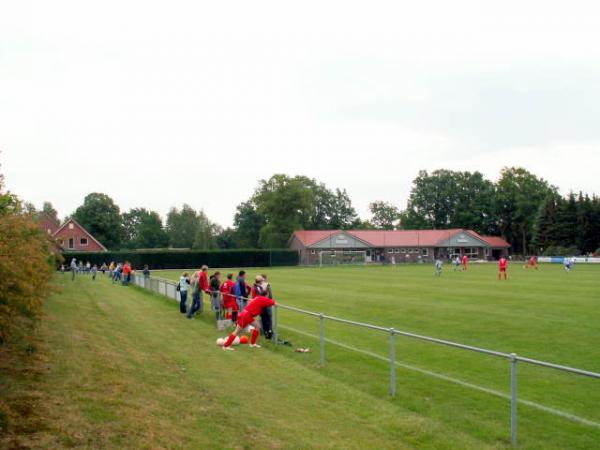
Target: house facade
[[72, 237], [398, 246]]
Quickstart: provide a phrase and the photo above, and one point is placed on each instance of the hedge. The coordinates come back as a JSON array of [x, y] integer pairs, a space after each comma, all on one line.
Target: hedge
[[182, 259]]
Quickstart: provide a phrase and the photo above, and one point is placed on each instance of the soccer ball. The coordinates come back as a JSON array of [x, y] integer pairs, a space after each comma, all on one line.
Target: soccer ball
[[220, 342], [244, 340]]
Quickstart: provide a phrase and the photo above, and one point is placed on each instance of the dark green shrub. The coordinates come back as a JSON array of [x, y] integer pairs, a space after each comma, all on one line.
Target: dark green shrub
[[181, 259]]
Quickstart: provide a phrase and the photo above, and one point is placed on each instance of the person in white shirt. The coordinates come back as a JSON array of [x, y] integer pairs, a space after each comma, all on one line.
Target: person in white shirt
[[182, 287]]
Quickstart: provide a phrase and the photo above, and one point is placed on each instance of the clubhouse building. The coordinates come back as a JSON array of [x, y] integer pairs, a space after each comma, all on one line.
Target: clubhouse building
[[399, 246]]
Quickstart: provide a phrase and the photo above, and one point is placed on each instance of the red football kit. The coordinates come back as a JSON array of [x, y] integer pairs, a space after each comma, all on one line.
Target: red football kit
[[503, 264], [253, 309], [228, 298]]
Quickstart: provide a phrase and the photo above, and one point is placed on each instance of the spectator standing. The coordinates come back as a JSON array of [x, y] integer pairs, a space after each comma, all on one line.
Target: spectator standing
[[126, 273], [73, 268], [241, 290], [182, 287], [215, 295], [204, 287], [266, 316], [103, 268], [146, 271], [196, 296], [257, 288], [94, 271], [118, 272], [229, 303]]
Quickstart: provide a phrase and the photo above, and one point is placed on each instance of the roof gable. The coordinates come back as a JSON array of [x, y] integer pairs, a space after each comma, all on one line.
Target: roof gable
[[462, 238], [341, 239], [81, 229]]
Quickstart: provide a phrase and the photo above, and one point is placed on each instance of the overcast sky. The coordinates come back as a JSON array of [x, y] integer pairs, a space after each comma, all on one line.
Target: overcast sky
[[161, 103]]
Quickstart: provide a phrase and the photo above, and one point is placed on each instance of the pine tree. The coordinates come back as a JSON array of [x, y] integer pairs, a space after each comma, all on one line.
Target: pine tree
[[546, 223], [566, 222]]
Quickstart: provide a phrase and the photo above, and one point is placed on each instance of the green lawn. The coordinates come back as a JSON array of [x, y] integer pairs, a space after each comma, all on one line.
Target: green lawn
[[121, 368], [548, 315]]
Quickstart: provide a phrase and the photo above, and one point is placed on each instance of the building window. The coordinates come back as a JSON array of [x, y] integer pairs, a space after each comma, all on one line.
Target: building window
[[425, 252], [83, 241], [312, 252], [403, 250], [71, 226], [71, 243], [390, 250], [397, 250]]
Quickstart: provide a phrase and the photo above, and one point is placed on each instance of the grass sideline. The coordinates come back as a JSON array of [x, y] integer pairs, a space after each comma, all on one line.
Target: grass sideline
[[547, 315], [121, 368]]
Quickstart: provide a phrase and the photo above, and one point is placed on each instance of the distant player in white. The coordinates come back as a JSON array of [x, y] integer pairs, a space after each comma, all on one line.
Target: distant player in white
[[568, 264], [438, 267], [457, 263]]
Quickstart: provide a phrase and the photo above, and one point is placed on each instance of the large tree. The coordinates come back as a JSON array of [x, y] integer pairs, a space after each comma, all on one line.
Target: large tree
[[144, 229], [283, 204], [519, 196], [101, 217], [287, 204], [182, 226], [331, 209], [247, 223], [384, 216], [449, 199], [206, 233], [49, 210]]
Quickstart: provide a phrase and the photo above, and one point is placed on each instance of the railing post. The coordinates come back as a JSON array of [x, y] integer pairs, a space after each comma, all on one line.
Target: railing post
[[513, 400], [322, 338], [392, 363], [275, 324]]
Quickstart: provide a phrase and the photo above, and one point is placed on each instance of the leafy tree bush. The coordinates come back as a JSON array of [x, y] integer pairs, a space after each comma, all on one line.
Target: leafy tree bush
[[26, 266]]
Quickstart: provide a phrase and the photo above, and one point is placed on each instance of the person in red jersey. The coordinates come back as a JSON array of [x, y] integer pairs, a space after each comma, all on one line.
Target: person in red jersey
[[502, 266], [532, 263], [203, 283], [229, 303], [248, 317], [465, 262]]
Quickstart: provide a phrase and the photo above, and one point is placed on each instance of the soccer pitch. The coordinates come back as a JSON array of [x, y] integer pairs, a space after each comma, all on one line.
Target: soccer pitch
[[546, 314]]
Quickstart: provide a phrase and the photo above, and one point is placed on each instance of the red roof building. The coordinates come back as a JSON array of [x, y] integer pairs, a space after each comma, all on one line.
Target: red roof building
[[72, 237], [398, 245]]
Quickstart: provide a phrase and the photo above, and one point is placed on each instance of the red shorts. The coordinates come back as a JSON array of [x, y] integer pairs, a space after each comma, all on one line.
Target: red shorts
[[229, 302], [244, 319], [502, 269]]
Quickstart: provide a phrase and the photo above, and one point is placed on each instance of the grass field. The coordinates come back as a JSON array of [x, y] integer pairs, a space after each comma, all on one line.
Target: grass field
[[120, 368]]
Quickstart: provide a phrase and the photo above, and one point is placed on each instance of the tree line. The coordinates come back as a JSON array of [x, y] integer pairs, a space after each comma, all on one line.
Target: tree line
[[521, 207]]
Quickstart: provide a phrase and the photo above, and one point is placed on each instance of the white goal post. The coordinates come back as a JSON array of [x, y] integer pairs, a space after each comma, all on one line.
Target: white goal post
[[342, 258]]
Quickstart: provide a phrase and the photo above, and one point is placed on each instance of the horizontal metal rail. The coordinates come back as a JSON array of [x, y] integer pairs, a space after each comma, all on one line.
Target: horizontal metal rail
[[155, 286], [445, 342], [472, 348]]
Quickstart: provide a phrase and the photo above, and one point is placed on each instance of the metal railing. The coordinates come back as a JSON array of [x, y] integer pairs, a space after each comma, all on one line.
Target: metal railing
[[168, 288]]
